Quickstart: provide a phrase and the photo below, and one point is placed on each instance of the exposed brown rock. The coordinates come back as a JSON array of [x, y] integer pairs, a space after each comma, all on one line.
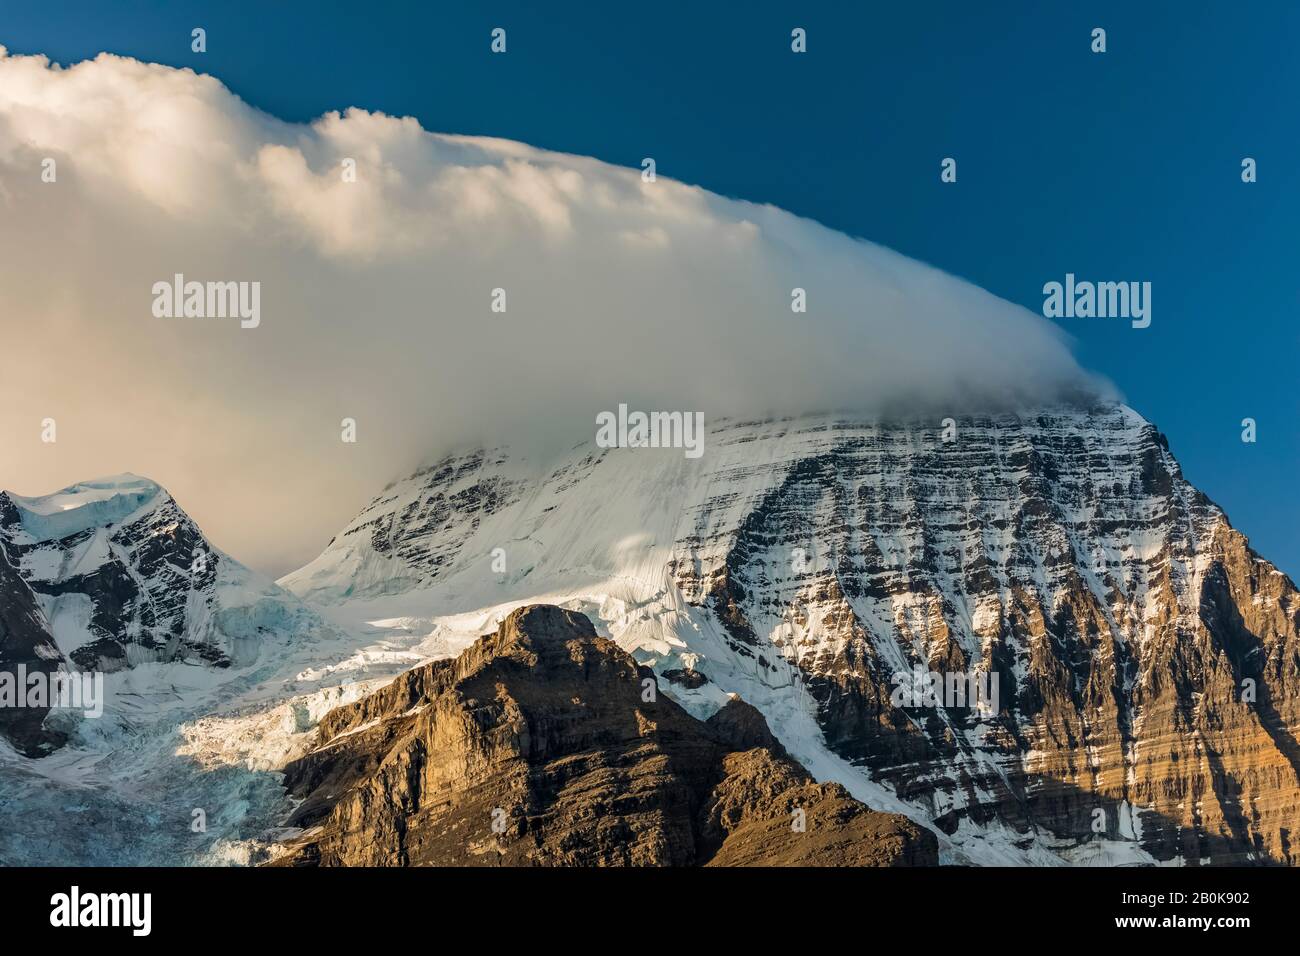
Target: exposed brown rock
[[556, 736]]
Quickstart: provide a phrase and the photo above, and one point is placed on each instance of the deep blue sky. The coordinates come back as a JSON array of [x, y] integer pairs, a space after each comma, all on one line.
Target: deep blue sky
[[1117, 166]]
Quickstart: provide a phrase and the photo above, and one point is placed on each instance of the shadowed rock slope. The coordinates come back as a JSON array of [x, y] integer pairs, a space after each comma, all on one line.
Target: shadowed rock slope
[[544, 744], [26, 643]]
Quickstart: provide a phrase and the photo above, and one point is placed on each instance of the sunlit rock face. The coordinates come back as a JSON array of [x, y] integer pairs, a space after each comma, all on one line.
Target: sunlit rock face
[[543, 744]]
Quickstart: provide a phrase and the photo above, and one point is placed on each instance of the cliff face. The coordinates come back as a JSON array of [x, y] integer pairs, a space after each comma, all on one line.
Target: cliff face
[[1146, 661], [543, 744], [26, 647]]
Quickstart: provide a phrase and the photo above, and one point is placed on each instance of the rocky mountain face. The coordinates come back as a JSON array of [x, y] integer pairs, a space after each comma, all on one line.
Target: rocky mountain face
[[545, 744], [125, 577], [1028, 634], [109, 575], [1147, 659], [121, 556], [1144, 662], [26, 647]]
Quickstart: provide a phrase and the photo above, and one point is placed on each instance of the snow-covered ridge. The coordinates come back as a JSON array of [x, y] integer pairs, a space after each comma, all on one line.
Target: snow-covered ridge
[[125, 577], [612, 511], [87, 504]]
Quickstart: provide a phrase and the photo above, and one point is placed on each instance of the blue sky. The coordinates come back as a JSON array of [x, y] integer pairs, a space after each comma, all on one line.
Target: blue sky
[[1121, 166]]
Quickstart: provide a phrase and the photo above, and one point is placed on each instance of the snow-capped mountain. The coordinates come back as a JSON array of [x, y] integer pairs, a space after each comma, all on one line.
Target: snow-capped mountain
[[111, 576], [124, 577], [1147, 661]]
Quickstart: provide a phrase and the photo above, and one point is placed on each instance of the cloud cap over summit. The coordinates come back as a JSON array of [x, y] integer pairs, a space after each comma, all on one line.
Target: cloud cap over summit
[[376, 302]]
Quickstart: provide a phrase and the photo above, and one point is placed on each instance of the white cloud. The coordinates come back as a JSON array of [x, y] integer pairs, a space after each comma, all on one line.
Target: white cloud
[[376, 294]]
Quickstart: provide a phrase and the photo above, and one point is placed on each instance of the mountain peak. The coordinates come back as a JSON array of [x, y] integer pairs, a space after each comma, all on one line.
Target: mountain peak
[[98, 502], [124, 577]]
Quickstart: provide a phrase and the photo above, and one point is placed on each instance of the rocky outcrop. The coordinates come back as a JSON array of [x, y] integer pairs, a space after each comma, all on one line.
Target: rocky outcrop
[[543, 744]]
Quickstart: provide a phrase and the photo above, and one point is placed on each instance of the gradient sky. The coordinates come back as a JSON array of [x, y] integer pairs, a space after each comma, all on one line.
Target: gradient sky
[[1122, 166]]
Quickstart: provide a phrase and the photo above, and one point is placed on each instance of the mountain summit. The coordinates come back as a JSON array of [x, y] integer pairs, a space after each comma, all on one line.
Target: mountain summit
[[126, 577], [110, 574]]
